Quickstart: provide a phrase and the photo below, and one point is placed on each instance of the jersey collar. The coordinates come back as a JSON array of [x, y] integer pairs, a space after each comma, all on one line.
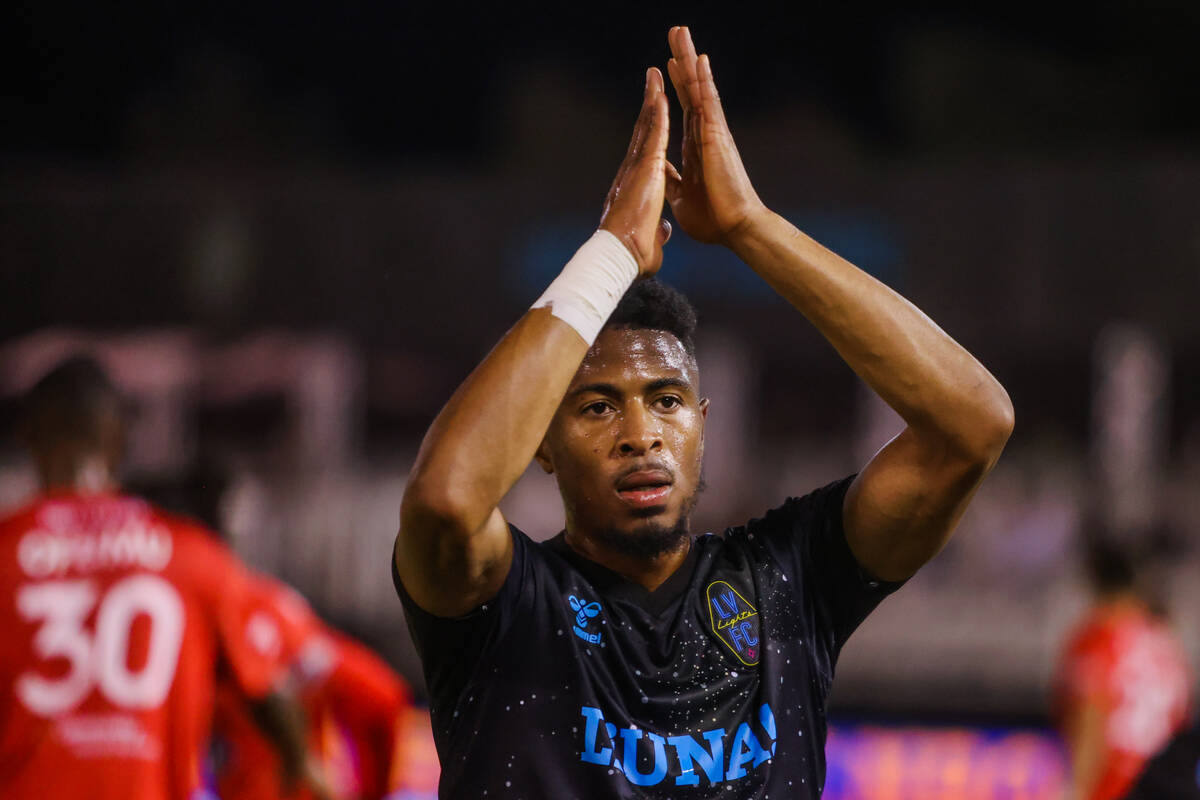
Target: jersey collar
[[616, 586]]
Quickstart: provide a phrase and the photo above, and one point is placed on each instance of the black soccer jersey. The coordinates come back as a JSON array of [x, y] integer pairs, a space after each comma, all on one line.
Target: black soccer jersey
[[575, 683]]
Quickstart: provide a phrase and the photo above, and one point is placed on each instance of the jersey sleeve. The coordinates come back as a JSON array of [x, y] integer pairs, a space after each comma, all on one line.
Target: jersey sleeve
[[290, 618], [805, 536], [251, 643], [451, 647], [368, 699], [1083, 674], [365, 684]]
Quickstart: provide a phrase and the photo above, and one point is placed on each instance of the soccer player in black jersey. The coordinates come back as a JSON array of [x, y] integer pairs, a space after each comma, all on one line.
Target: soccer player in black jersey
[[626, 658]]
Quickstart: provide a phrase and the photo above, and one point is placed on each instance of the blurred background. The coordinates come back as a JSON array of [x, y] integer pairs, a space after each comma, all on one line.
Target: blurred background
[[291, 229]]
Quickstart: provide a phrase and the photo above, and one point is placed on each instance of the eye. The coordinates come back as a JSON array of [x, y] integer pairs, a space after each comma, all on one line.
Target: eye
[[669, 402], [597, 408]]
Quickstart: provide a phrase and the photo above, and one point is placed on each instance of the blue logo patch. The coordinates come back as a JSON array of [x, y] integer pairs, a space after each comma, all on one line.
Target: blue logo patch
[[734, 621], [585, 612]]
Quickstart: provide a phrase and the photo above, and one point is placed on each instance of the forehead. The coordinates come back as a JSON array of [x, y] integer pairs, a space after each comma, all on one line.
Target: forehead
[[636, 355]]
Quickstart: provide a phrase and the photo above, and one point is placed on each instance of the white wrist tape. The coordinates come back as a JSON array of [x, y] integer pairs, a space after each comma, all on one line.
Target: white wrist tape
[[588, 289]]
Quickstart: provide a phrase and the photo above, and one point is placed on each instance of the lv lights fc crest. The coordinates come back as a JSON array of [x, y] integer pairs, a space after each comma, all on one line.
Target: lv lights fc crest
[[734, 621]]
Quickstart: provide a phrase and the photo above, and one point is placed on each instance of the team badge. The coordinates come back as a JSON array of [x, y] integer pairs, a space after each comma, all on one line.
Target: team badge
[[734, 621], [585, 612]]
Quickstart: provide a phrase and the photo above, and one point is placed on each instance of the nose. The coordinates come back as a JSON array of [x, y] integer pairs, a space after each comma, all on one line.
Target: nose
[[639, 433]]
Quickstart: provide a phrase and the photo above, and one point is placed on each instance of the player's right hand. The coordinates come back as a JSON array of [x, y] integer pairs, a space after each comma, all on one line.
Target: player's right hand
[[634, 206]]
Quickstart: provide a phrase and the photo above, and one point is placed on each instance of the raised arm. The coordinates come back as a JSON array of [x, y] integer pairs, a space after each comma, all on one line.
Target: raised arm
[[453, 550], [905, 503]]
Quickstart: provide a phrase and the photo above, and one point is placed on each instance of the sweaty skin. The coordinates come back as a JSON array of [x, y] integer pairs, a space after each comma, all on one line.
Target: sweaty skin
[[906, 501], [626, 447], [453, 550]]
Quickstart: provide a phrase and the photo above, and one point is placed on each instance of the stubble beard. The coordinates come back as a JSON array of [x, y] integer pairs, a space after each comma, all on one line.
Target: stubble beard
[[651, 539]]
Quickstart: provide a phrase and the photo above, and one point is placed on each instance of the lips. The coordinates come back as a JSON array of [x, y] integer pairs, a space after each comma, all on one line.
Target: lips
[[645, 488]]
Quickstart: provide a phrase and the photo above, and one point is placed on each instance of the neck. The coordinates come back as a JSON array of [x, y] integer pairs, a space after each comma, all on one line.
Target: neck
[[86, 474], [649, 572], [1122, 599]]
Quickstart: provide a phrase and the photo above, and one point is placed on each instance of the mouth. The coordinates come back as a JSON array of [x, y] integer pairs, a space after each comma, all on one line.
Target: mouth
[[646, 488]]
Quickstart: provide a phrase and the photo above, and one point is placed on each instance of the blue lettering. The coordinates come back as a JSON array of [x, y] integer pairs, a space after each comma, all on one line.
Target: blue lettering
[[612, 737], [745, 749], [590, 754], [716, 601], [747, 629], [736, 635], [591, 638], [696, 757], [655, 775], [730, 599], [711, 760], [767, 718]]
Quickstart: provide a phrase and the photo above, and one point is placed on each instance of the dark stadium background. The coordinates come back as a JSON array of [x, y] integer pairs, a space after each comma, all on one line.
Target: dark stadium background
[[230, 197]]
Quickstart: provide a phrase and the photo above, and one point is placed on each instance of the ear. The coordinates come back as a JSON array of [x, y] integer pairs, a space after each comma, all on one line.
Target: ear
[[704, 408], [542, 457]]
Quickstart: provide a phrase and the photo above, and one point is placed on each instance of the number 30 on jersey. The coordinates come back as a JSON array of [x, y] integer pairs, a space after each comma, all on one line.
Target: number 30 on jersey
[[100, 659]]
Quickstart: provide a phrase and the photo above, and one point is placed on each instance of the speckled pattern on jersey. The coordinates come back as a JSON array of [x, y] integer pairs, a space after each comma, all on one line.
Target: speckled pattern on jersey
[[574, 683]]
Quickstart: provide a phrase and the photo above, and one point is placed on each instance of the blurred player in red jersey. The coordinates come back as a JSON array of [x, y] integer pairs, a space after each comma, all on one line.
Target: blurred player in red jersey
[[367, 703], [1122, 686], [352, 699], [354, 703], [116, 618], [246, 764]]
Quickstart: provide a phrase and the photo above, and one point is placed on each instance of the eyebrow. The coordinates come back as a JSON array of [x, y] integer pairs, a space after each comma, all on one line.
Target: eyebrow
[[612, 391]]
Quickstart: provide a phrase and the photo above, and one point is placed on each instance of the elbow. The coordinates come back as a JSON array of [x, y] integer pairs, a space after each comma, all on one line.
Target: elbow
[[991, 427], [435, 505]]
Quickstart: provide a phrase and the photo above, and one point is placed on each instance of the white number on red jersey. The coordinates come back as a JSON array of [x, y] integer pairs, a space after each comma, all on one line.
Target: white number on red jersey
[[101, 659]]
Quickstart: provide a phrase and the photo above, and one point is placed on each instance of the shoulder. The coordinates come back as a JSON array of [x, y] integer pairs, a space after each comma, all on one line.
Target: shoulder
[[800, 527], [1093, 640], [282, 597], [199, 561], [531, 562], [536, 557], [822, 506], [17, 519], [14, 526], [190, 535], [21, 554]]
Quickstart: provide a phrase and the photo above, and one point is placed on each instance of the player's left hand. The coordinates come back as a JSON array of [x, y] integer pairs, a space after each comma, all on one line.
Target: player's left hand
[[713, 198]]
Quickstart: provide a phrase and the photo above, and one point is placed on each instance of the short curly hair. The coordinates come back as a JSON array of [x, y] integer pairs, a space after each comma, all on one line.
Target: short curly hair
[[653, 305]]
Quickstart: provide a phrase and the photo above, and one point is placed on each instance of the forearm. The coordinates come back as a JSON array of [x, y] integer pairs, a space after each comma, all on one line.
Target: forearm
[[486, 435], [453, 550], [282, 720], [1085, 741], [927, 377]]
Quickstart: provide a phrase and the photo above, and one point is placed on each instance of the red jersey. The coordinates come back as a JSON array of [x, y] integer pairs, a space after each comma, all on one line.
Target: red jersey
[[1128, 663], [360, 706], [248, 765], [116, 619], [353, 702], [415, 766]]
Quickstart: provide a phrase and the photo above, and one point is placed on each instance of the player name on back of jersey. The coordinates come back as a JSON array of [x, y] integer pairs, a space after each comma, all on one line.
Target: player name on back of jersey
[[118, 534]]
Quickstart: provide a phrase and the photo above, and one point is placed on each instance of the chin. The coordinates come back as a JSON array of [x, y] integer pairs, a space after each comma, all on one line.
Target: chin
[[647, 539], [660, 514]]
